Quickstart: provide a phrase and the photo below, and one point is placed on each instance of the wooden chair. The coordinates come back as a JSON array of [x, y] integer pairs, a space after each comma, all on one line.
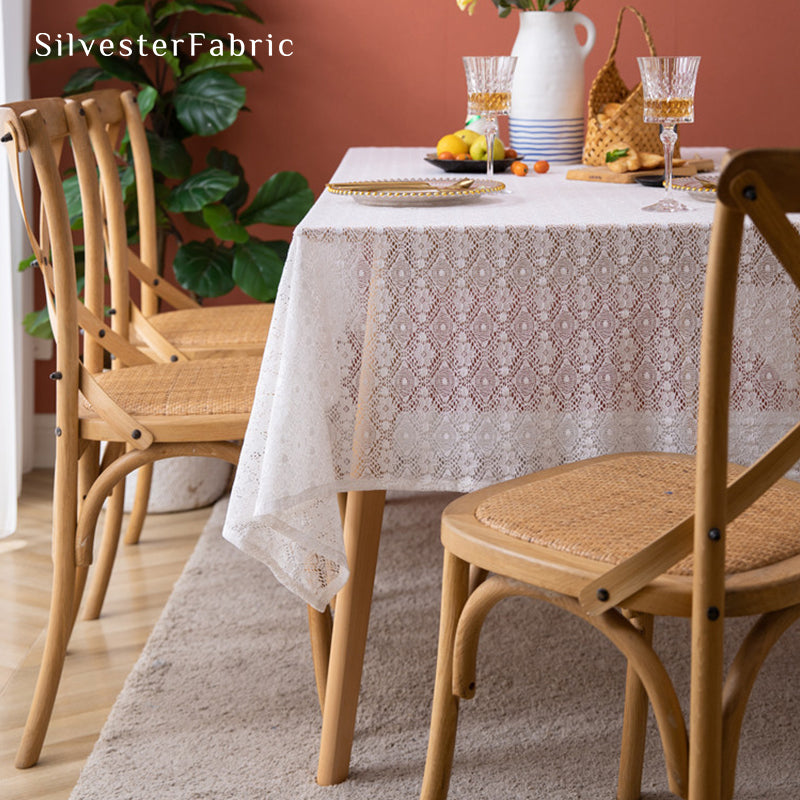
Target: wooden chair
[[608, 539], [144, 410], [188, 329]]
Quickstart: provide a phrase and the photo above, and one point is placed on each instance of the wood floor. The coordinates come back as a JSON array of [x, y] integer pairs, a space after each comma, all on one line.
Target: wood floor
[[101, 653]]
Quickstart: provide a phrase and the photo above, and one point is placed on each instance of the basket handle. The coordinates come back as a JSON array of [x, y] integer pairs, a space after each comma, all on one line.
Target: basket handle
[[645, 30]]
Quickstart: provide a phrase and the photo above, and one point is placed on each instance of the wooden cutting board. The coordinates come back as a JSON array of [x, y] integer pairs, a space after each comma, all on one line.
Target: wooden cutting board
[[605, 175]]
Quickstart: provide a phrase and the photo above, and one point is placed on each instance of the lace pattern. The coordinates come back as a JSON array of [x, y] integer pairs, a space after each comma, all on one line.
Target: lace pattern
[[447, 357]]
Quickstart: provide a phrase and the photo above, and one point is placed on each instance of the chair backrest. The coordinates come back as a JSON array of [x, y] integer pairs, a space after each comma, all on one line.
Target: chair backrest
[[88, 335], [763, 185], [115, 113], [40, 128], [113, 118]]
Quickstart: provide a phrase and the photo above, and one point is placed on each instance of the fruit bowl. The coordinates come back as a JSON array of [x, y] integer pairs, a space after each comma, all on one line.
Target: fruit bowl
[[469, 165]]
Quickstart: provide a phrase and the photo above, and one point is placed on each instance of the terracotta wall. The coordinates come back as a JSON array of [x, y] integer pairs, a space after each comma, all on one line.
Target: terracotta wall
[[373, 72]]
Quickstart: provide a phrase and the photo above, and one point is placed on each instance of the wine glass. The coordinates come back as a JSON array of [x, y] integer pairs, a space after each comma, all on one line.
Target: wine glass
[[668, 84], [489, 94]]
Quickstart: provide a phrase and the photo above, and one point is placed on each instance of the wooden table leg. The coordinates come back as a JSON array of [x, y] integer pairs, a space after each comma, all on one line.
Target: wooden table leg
[[362, 530]]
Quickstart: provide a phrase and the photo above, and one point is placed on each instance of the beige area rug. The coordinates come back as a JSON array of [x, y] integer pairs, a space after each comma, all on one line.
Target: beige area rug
[[222, 702]]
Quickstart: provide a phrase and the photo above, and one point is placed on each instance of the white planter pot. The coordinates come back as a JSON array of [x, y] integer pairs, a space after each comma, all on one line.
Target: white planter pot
[[547, 96], [181, 484]]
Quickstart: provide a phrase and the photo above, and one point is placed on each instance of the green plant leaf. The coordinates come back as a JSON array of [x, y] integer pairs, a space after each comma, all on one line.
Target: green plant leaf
[[174, 63], [114, 22], [169, 156], [204, 268], [173, 7], [257, 267], [127, 180], [123, 68], [146, 100], [226, 63], [196, 218], [220, 219], [26, 263], [283, 200], [208, 103], [37, 323], [222, 159], [208, 186], [84, 79], [72, 193]]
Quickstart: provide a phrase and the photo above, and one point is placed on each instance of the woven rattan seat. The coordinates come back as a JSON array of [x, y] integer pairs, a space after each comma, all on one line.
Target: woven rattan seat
[[185, 388], [239, 327], [627, 502]]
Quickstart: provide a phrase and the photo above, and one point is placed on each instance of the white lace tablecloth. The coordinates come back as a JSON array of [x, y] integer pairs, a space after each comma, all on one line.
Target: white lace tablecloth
[[448, 348]]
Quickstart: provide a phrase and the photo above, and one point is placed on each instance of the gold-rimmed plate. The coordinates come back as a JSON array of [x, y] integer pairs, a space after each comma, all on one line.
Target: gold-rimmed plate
[[704, 188], [436, 191]]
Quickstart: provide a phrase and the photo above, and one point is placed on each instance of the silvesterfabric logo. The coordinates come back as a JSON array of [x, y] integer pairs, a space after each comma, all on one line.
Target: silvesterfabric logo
[[68, 45]]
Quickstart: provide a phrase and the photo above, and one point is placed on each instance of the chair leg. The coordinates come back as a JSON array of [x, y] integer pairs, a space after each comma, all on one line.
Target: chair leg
[[634, 725], [444, 714], [81, 573], [108, 551], [144, 480], [477, 575], [320, 627], [55, 649]]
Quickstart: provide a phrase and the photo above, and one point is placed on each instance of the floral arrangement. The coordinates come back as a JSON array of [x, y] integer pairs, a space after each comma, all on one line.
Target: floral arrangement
[[504, 6]]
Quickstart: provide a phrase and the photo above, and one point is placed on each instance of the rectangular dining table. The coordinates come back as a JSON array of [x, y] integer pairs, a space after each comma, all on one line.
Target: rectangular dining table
[[450, 345]]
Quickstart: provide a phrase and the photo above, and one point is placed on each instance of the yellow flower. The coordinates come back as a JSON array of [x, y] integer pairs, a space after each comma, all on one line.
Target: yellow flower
[[467, 5]]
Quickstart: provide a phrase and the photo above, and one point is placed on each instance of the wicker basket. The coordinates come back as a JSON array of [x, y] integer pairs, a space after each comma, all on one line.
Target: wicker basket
[[626, 125]]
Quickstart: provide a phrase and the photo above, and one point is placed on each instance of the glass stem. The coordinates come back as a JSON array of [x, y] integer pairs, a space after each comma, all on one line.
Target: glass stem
[[491, 134], [668, 139]]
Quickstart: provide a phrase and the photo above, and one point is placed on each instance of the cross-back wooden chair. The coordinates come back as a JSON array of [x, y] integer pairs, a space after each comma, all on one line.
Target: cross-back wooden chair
[[143, 409], [188, 332], [607, 539], [188, 329]]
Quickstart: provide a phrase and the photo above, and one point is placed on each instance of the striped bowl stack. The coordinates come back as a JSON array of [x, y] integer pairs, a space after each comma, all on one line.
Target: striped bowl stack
[[559, 141]]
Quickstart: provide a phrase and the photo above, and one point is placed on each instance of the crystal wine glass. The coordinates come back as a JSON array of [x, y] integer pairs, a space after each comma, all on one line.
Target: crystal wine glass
[[668, 84], [489, 93]]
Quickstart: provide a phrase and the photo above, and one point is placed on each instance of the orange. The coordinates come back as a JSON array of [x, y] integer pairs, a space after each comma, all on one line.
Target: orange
[[463, 157], [445, 155], [519, 168], [511, 153], [541, 167]]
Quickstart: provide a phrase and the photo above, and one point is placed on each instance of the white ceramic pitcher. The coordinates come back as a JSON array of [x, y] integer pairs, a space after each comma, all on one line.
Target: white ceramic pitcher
[[547, 99]]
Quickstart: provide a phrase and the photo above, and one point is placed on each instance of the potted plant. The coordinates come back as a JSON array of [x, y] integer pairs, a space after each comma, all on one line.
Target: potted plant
[[187, 88]]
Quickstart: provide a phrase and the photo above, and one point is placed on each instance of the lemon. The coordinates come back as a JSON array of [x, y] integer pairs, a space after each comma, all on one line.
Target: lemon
[[468, 136], [451, 144], [478, 149]]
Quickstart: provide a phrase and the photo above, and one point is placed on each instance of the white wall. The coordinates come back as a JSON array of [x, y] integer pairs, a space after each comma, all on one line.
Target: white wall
[[16, 357]]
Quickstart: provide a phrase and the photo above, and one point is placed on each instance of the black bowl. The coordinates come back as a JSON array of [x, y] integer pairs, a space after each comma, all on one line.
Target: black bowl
[[650, 180], [469, 165]]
